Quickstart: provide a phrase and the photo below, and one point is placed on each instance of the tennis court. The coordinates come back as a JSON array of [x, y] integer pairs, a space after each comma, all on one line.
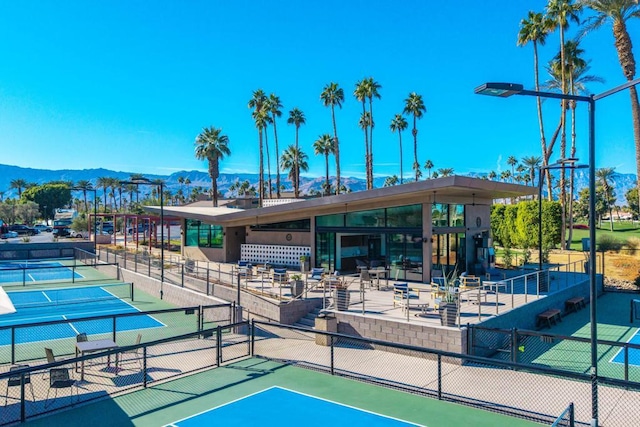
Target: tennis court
[[634, 354], [34, 271], [43, 305], [263, 408], [295, 396]]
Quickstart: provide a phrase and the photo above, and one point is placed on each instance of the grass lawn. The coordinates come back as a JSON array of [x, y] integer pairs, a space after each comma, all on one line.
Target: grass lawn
[[622, 231]]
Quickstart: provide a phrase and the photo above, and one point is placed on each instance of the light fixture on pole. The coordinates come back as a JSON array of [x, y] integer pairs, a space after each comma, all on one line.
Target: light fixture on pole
[[507, 89]]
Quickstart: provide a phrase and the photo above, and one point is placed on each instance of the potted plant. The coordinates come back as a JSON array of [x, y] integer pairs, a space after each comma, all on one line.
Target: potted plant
[[304, 263], [297, 285]]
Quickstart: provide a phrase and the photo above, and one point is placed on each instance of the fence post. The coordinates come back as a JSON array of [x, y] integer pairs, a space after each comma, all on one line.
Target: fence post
[[135, 262], [22, 399], [253, 338], [218, 345], [144, 366], [114, 328], [13, 345], [439, 377], [626, 362], [149, 263], [514, 345], [332, 355], [182, 275], [208, 287]]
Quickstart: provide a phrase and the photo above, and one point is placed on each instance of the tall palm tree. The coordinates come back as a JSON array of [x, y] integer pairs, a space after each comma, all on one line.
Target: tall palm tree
[[561, 12], [364, 123], [492, 175], [267, 122], [532, 163], [136, 177], [18, 184], [212, 146], [295, 161], [296, 118], [332, 95], [535, 29], [360, 93], [373, 91], [103, 182], [399, 124], [618, 12], [428, 165], [275, 107], [259, 115], [414, 105], [324, 145], [84, 185], [512, 161], [605, 176]]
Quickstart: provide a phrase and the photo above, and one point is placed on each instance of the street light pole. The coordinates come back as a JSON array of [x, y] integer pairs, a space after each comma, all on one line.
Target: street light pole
[[507, 89]]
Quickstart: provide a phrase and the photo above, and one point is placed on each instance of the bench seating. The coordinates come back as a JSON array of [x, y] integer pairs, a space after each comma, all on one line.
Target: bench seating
[[574, 304], [549, 316]]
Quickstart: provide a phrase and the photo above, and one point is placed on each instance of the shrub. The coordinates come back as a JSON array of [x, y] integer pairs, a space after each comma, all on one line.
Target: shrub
[[633, 244], [608, 243], [507, 257]]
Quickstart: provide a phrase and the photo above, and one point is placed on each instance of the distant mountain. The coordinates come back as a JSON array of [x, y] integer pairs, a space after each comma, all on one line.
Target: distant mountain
[[622, 182]]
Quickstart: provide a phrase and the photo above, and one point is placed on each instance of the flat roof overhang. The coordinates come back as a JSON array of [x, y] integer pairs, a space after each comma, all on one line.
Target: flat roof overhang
[[462, 189]]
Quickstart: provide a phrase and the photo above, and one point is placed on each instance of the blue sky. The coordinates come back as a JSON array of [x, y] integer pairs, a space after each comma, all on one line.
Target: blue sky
[[128, 85]]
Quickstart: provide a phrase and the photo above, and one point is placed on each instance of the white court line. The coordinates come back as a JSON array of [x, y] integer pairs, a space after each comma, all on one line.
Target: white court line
[[31, 277], [71, 325], [612, 360], [46, 296], [132, 306]]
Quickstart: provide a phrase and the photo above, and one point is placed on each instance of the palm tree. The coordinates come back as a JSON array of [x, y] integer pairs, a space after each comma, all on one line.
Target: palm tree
[[445, 172], [332, 95], [605, 176], [324, 145], [399, 124], [535, 29], [84, 185], [267, 121], [295, 161], [212, 146], [373, 88], [103, 182], [275, 109], [360, 94], [428, 165], [532, 163], [415, 106], [296, 118], [505, 175], [364, 123], [512, 161], [18, 184], [561, 12], [492, 175], [390, 181], [618, 12], [259, 115], [136, 177]]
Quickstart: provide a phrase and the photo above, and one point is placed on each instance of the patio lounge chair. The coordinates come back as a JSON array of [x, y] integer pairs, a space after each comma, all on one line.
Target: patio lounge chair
[[402, 292], [59, 378], [16, 380], [135, 355], [316, 274], [280, 276]]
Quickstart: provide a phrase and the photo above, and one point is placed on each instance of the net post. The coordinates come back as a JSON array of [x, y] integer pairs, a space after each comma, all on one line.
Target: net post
[[131, 291]]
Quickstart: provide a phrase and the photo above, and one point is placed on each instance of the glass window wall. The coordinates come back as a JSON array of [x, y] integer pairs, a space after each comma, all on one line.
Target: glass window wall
[[203, 235]]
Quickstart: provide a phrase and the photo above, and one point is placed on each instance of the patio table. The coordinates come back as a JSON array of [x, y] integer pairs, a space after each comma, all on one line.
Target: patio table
[[83, 347]]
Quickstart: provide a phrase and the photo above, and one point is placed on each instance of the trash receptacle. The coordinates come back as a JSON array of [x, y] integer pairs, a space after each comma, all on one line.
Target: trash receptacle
[[325, 323]]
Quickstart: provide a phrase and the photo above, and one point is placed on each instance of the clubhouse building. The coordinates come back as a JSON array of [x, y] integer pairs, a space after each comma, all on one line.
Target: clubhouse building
[[410, 229]]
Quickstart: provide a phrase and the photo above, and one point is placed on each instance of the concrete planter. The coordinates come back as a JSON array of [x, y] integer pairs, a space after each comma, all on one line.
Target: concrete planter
[[297, 288]]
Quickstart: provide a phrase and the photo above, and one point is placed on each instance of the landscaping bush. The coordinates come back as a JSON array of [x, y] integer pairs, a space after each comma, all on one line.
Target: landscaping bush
[[608, 243], [633, 244]]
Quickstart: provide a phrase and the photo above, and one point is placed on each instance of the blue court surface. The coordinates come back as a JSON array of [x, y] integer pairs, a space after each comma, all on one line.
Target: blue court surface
[[11, 272], [634, 353], [279, 407], [69, 303]]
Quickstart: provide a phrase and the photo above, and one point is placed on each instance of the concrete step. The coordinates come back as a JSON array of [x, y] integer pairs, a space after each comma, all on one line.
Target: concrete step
[[306, 322]]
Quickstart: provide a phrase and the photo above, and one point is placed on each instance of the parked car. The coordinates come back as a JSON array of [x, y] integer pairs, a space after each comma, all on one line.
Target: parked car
[[42, 228], [61, 231], [106, 227], [142, 228], [23, 230], [8, 235], [78, 234]]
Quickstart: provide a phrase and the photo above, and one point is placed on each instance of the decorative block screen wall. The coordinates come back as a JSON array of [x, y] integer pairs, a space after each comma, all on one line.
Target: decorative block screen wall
[[274, 202], [273, 254]]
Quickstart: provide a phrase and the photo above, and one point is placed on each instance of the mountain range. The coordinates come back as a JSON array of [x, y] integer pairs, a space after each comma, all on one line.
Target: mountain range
[[621, 182]]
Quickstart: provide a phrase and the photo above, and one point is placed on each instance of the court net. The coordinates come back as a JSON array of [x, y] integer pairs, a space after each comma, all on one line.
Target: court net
[[566, 419], [72, 295]]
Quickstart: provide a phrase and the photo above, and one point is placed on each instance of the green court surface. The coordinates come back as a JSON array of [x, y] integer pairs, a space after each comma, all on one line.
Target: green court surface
[[168, 402], [614, 324]]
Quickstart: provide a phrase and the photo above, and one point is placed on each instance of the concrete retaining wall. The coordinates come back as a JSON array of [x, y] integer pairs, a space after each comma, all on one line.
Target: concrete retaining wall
[[439, 338]]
